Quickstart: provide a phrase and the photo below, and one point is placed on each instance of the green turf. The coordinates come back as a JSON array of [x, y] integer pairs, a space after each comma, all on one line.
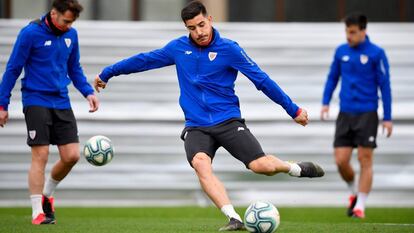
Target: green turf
[[186, 219]]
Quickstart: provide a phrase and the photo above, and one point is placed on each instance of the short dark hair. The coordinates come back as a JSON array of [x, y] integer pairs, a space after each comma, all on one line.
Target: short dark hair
[[193, 9], [64, 5], [356, 18]]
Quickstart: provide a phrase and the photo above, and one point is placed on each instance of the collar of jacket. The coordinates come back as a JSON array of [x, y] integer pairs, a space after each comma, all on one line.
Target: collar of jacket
[[54, 29], [363, 44], [214, 39], [48, 26]]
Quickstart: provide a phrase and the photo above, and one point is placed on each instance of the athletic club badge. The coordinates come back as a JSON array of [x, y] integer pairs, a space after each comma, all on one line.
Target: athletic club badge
[[32, 134], [212, 55], [364, 59], [68, 41]]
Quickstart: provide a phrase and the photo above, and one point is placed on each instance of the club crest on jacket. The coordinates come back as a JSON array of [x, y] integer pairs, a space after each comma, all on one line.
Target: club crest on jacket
[[364, 59], [212, 55], [68, 41]]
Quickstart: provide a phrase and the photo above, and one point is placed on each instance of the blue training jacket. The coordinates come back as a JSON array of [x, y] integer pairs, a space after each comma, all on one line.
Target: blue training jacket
[[363, 69], [50, 63], [206, 77]]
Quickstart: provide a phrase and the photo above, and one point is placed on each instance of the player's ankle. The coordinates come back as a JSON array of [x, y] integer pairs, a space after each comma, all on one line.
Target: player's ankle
[[294, 169], [230, 212]]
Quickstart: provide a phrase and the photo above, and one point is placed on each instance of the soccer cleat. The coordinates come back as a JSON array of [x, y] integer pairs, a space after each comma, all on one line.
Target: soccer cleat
[[352, 202], [309, 169], [233, 225], [357, 213], [48, 207], [42, 219]]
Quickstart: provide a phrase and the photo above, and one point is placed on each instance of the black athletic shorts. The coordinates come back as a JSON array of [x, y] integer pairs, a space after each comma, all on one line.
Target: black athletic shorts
[[232, 134], [356, 130], [50, 126]]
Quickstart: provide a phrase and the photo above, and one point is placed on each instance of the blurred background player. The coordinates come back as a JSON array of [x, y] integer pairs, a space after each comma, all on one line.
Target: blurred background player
[[48, 50], [363, 68], [207, 67]]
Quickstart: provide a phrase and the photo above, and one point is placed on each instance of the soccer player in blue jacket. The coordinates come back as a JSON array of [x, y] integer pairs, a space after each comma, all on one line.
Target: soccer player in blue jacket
[[363, 69], [48, 50], [207, 67]]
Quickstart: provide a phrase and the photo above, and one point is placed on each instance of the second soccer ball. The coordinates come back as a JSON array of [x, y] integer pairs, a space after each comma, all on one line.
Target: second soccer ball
[[98, 150]]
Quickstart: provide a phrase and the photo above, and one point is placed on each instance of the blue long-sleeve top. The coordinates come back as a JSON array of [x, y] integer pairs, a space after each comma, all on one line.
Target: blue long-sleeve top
[[50, 64], [206, 77], [363, 70]]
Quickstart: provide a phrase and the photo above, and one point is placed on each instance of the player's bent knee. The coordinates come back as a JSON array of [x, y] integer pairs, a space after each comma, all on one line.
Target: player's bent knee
[[340, 161], [201, 160], [71, 159], [202, 166], [261, 166]]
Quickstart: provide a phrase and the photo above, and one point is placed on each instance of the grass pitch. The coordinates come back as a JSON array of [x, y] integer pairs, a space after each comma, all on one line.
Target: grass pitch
[[196, 219]]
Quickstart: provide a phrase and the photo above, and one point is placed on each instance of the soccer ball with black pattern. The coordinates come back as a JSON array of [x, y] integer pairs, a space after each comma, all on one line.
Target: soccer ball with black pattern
[[98, 150], [261, 217]]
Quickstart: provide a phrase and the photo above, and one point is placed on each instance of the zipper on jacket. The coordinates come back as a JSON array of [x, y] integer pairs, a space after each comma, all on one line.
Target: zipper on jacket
[[59, 52], [203, 98], [58, 57]]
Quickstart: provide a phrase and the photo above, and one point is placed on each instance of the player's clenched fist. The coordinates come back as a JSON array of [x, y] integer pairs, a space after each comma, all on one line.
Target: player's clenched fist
[[302, 118], [4, 115], [98, 83]]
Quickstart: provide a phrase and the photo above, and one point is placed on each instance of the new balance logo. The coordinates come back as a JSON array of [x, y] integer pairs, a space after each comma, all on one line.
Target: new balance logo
[[240, 129], [188, 52], [48, 43], [345, 58]]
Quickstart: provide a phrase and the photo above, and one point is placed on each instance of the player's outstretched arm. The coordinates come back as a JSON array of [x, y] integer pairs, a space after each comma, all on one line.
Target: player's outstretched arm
[[302, 118], [98, 84]]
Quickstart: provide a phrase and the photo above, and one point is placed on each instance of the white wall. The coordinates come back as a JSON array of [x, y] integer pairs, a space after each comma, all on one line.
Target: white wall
[[31, 9], [115, 10], [87, 9], [161, 10], [24, 9]]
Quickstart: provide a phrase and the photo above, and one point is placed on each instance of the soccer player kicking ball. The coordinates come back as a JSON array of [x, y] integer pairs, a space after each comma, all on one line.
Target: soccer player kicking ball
[[364, 69], [207, 67], [48, 50]]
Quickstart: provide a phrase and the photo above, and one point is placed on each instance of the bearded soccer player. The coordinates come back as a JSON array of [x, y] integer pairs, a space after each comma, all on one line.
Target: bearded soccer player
[[48, 50], [207, 67], [363, 69]]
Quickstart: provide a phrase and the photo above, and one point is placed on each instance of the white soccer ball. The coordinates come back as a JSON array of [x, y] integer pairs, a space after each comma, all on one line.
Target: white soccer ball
[[261, 217], [98, 150]]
